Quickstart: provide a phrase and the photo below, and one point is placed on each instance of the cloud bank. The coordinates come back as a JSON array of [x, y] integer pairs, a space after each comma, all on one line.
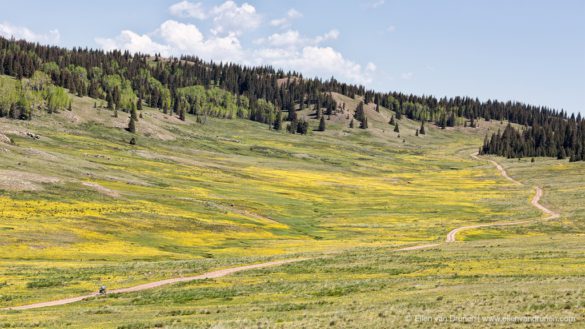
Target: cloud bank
[[8, 30]]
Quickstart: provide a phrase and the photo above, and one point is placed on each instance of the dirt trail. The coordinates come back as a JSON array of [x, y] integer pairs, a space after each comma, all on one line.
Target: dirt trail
[[208, 275], [500, 168], [220, 273], [535, 203]]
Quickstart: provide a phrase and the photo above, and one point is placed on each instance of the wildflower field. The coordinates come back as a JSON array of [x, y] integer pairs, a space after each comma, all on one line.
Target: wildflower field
[[80, 207]]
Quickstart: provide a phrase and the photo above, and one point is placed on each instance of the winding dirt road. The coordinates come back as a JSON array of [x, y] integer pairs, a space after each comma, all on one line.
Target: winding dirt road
[[534, 202], [220, 273], [499, 167]]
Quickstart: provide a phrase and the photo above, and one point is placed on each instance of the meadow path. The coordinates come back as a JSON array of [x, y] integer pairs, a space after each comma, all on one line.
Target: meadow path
[[220, 273], [150, 285], [534, 202]]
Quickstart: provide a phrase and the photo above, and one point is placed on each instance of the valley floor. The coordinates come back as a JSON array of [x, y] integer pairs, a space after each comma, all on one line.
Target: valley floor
[[83, 208]]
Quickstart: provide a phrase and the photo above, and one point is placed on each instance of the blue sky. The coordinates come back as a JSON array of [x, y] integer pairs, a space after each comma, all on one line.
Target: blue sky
[[531, 51]]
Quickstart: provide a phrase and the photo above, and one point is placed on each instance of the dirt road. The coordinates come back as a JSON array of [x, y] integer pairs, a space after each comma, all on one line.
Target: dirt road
[[208, 275], [499, 167], [535, 202]]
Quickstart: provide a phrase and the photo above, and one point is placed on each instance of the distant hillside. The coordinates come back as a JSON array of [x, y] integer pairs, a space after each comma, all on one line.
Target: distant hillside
[[190, 86]]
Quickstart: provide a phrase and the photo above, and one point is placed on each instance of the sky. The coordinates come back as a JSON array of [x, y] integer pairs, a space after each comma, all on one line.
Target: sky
[[526, 50]]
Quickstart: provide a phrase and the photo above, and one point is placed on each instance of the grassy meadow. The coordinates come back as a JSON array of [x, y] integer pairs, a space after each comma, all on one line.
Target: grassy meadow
[[80, 208]]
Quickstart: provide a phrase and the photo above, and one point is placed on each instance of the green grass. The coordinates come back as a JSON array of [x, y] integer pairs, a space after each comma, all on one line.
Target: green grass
[[541, 276], [191, 198]]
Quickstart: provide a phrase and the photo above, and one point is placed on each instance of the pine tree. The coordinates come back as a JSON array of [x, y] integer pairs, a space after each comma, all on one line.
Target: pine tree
[[182, 113], [278, 121], [351, 124], [110, 101], [422, 128], [303, 127], [392, 122], [293, 126], [139, 104], [360, 114], [416, 133], [364, 124], [134, 114], [132, 126], [322, 124], [396, 129]]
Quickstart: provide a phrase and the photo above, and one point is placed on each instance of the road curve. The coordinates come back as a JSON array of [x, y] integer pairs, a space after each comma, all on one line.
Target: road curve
[[534, 202], [499, 167], [220, 273]]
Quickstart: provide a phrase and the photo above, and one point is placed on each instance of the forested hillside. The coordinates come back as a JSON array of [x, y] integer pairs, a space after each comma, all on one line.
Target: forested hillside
[[190, 86]]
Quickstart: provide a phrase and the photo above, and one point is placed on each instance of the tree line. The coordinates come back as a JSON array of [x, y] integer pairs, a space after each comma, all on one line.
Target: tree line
[[189, 85], [555, 138]]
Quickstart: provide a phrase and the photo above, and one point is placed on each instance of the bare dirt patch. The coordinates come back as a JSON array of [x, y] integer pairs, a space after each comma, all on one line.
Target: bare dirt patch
[[102, 190], [24, 181], [5, 139]]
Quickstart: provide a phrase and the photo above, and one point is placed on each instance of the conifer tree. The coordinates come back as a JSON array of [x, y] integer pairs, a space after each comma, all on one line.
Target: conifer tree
[[132, 126], [359, 112], [396, 129], [278, 121], [364, 124], [322, 124], [422, 128], [134, 114]]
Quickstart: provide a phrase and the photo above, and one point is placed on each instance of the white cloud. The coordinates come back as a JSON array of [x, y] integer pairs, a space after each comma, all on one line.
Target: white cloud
[[407, 76], [8, 30], [331, 35], [287, 20], [175, 38], [289, 39], [188, 9], [315, 61], [187, 39], [231, 18], [228, 17], [391, 28], [377, 3], [292, 38], [288, 50], [135, 43]]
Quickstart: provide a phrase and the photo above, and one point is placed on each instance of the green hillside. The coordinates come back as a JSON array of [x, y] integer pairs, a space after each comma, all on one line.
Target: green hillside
[[82, 207]]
